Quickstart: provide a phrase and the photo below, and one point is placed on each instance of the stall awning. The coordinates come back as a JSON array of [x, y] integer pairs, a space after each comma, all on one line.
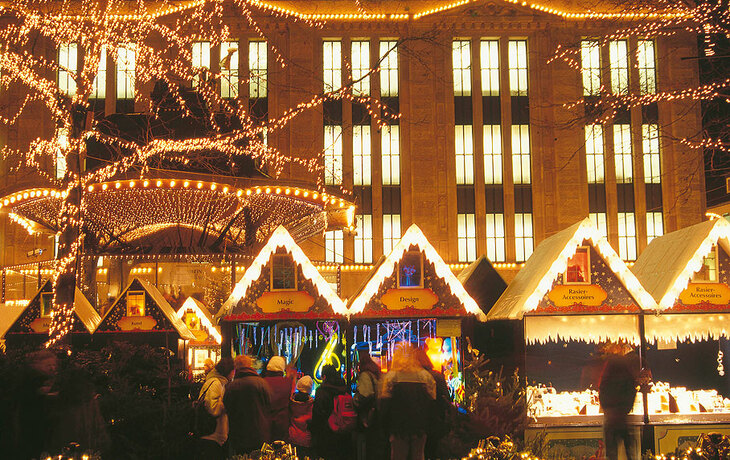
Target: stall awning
[[686, 326], [666, 266], [582, 328], [550, 259]]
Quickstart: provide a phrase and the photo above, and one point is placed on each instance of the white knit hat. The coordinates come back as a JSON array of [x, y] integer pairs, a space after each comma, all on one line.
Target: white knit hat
[[276, 364], [304, 385]]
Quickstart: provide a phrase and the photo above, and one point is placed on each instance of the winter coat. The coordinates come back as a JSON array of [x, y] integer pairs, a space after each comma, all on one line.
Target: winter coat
[[328, 443], [248, 403], [300, 414], [366, 397], [214, 388], [281, 390], [617, 389], [407, 399]]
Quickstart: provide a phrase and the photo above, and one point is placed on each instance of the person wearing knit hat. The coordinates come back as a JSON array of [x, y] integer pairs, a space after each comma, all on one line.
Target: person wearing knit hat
[[300, 413], [304, 384], [276, 366], [281, 390]]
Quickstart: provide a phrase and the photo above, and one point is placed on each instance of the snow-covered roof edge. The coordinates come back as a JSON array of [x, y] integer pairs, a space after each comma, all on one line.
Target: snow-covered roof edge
[[414, 237], [282, 238], [549, 259], [203, 314], [666, 266]]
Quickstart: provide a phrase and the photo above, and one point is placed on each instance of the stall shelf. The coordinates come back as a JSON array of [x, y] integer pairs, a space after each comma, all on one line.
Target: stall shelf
[[283, 306]]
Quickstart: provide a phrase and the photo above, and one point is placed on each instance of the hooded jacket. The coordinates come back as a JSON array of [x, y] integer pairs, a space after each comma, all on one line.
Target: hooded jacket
[[214, 389], [248, 403]]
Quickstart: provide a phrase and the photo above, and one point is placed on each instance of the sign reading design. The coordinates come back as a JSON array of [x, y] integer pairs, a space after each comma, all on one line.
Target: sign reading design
[[273, 302], [398, 299], [567, 295], [714, 293], [136, 323]]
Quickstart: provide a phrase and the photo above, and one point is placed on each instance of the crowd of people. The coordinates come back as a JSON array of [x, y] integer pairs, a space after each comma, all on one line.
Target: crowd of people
[[401, 413]]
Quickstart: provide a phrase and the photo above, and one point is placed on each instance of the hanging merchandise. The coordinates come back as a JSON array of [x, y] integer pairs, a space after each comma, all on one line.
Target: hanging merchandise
[[720, 366]]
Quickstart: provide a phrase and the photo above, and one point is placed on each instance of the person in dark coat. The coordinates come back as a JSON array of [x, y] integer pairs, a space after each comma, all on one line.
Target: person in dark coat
[[407, 397], [617, 392], [281, 391], [440, 407], [328, 444], [248, 403]]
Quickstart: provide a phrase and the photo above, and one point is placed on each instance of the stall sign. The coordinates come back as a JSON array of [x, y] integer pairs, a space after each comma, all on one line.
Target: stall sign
[[272, 302], [193, 323], [41, 324], [714, 293], [568, 295], [448, 327], [141, 323], [398, 299]]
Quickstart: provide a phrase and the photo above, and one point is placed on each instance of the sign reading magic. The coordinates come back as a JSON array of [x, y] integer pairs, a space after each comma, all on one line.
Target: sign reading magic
[[566, 295], [272, 302], [398, 299], [713, 293]]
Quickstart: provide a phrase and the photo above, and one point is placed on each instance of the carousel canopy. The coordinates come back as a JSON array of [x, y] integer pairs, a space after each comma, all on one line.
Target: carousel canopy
[[666, 266], [126, 215], [549, 260], [239, 305], [386, 268]]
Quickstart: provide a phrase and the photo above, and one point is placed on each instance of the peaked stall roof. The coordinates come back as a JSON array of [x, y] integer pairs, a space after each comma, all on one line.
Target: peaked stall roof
[[483, 283], [549, 259], [666, 266], [281, 238], [161, 303], [85, 312], [203, 313], [386, 266]]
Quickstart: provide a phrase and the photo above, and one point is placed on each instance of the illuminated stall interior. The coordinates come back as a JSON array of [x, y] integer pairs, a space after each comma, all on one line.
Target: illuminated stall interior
[[141, 313], [283, 306], [412, 296], [688, 273], [29, 324], [573, 296], [207, 343]]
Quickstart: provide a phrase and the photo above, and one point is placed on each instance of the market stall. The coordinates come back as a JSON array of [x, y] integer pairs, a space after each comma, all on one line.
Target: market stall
[[412, 296], [142, 315], [283, 306], [28, 325], [688, 274], [207, 342], [573, 295]]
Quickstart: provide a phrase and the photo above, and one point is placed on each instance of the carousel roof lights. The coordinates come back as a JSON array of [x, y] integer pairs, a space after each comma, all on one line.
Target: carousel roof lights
[[414, 237], [282, 238]]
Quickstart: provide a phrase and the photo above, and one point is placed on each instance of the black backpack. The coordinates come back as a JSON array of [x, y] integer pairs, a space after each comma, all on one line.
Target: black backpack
[[203, 423]]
